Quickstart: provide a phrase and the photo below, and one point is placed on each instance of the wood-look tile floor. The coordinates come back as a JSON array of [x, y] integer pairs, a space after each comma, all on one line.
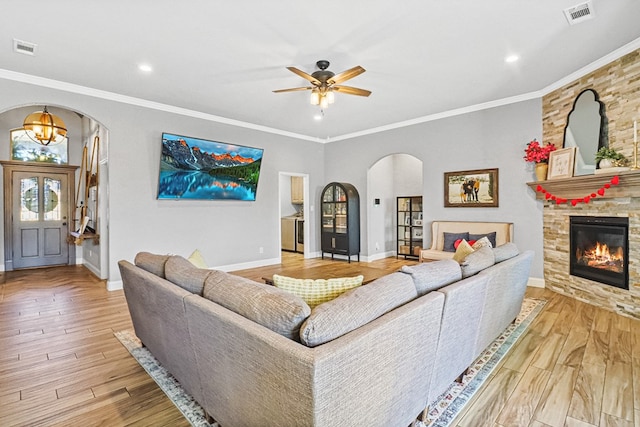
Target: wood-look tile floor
[[60, 365]]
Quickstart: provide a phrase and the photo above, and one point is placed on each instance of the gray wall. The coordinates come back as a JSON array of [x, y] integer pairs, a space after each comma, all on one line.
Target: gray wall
[[493, 138], [228, 233]]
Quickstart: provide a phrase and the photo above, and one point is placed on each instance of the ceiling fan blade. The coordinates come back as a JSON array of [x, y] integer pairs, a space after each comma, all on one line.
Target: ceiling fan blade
[[304, 75], [346, 75], [295, 89], [351, 90]]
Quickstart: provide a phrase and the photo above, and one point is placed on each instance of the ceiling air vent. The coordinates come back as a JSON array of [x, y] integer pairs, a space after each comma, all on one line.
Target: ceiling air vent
[[579, 13], [27, 48]]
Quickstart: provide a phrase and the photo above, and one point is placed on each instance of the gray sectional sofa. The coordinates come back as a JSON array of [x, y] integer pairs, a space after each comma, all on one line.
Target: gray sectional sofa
[[254, 355]]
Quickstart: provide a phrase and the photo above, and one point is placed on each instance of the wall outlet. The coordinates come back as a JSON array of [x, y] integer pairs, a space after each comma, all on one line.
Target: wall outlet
[[377, 246], [261, 249]]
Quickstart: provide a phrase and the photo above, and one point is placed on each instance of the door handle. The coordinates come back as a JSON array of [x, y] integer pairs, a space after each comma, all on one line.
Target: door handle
[[64, 223]]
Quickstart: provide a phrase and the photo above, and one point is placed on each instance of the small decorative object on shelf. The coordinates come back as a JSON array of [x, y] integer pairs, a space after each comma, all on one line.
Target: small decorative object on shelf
[[539, 154], [610, 161]]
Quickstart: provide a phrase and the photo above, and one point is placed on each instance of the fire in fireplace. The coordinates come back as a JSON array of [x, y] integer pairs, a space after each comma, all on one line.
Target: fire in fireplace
[[599, 249]]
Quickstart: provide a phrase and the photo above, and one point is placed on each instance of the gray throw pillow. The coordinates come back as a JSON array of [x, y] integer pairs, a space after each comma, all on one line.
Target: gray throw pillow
[[152, 263], [429, 276], [266, 305], [450, 239], [356, 308], [506, 251], [182, 272], [477, 261], [491, 236]]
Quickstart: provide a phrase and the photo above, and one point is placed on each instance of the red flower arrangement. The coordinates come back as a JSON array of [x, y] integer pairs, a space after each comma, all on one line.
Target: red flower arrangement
[[538, 153]]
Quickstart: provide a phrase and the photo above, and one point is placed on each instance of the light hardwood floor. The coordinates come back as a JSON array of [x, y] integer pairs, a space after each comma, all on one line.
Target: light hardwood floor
[[576, 366]]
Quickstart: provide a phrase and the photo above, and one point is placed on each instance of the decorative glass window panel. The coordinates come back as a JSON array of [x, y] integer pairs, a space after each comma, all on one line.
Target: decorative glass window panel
[[24, 149], [51, 196], [29, 202]]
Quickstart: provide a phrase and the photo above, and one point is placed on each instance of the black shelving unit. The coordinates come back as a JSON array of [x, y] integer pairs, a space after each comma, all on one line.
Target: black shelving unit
[[410, 229]]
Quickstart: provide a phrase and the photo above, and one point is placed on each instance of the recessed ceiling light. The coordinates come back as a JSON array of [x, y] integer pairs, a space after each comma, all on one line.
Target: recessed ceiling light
[[317, 117], [511, 58], [145, 68]]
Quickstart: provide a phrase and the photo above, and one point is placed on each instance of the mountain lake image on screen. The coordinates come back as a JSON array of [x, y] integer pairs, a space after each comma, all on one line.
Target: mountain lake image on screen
[[199, 169]]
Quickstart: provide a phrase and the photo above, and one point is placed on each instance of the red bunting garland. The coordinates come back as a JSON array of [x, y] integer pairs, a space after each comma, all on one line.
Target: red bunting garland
[[559, 200]]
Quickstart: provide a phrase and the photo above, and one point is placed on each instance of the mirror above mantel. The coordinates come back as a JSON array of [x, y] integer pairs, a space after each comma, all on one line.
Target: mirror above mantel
[[587, 130]]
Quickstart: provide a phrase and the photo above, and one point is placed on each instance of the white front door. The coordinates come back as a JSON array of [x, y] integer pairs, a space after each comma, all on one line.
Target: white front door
[[40, 219]]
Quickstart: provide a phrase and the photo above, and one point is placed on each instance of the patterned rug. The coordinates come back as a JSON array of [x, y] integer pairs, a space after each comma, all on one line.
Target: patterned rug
[[442, 413]]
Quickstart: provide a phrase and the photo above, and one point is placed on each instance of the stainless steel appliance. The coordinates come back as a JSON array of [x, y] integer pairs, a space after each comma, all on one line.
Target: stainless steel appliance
[[300, 235], [288, 233]]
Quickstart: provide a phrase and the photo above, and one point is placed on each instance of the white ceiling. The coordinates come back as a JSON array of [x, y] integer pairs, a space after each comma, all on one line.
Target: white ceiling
[[223, 59]]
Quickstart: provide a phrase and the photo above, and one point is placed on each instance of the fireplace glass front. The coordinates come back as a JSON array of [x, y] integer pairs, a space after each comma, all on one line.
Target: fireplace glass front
[[599, 249]]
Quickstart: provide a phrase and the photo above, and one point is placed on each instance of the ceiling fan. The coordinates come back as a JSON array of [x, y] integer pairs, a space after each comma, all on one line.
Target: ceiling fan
[[325, 83]]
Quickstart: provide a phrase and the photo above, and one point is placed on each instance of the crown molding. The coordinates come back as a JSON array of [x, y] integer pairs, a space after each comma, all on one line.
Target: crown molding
[[116, 97]]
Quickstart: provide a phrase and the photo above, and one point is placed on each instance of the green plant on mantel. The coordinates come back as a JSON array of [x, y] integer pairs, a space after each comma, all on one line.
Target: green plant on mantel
[[618, 159]]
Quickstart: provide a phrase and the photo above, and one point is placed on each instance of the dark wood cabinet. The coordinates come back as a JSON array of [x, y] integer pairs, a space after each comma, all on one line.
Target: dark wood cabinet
[[409, 216], [340, 219]]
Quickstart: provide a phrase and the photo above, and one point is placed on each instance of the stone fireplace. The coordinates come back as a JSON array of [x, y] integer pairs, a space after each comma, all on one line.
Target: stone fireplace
[[620, 203]]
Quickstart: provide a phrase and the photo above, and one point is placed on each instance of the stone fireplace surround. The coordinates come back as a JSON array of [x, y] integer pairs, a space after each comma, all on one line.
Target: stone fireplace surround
[[622, 200]]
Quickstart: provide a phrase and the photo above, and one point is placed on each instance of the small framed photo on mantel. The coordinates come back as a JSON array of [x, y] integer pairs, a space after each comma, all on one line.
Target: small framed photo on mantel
[[471, 189], [561, 163]]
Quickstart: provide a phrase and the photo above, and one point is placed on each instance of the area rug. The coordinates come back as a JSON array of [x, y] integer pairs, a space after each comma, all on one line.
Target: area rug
[[447, 407]]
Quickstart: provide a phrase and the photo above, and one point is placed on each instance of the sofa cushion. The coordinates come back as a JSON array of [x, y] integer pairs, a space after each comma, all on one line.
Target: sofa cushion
[[315, 292], [266, 305], [183, 273], [477, 261], [357, 307], [506, 251], [151, 262], [450, 239], [429, 276], [463, 249], [491, 236]]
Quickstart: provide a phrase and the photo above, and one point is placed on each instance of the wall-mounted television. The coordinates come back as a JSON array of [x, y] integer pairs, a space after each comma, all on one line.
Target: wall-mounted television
[[199, 169]]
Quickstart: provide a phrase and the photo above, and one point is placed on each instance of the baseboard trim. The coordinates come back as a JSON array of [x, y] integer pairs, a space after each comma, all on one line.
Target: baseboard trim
[[536, 282], [114, 285], [246, 265]]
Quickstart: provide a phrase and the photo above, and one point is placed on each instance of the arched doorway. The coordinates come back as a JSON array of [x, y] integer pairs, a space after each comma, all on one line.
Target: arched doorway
[[396, 175], [83, 131]]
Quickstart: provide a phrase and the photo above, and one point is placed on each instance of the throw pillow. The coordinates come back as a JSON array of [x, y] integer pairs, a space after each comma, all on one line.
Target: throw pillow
[[266, 305], [450, 238], [356, 308], [477, 261], [183, 273], [457, 243], [491, 236], [430, 276], [506, 251], [197, 259], [464, 249], [315, 292], [481, 243], [151, 262]]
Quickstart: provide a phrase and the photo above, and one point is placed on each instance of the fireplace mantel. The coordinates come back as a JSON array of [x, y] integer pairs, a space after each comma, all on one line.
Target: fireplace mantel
[[581, 186]]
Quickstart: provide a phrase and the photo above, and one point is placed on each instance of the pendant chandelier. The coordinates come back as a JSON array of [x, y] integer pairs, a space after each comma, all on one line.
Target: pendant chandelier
[[45, 128]]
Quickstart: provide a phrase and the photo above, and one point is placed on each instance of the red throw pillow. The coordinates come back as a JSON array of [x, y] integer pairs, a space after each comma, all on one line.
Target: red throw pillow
[[457, 243]]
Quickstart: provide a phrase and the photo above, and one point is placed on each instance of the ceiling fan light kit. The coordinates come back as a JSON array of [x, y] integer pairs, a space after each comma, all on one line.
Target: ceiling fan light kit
[[325, 83]]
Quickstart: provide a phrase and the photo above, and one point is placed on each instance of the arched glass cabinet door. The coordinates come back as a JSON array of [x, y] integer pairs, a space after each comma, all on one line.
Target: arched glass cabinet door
[[586, 129]]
